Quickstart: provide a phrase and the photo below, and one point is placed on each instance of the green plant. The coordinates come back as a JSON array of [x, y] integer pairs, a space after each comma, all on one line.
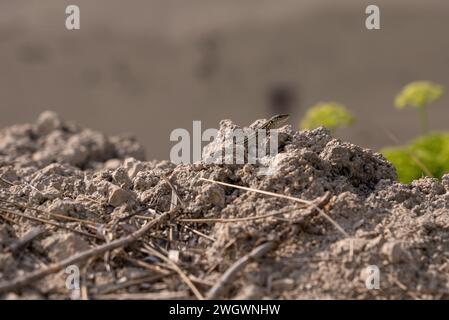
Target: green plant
[[331, 115], [427, 155], [418, 95]]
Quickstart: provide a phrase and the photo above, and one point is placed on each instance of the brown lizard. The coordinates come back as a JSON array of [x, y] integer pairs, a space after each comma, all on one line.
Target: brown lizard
[[273, 123]]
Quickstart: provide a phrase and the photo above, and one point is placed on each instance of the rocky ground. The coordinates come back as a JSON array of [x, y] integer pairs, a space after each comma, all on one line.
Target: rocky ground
[[66, 190]]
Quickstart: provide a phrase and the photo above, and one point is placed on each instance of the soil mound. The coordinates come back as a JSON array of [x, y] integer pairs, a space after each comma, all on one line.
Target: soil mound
[[65, 190]]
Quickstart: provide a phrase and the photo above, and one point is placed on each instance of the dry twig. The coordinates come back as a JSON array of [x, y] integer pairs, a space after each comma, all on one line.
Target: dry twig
[[183, 205], [6, 181], [73, 219], [79, 257], [220, 288], [199, 233], [48, 222], [229, 220], [175, 267], [26, 239], [272, 194]]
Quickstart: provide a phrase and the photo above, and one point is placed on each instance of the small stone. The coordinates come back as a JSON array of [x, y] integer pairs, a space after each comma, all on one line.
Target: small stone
[[198, 166], [24, 296], [103, 278], [130, 273], [118, 196], [63, 245], [213, 194], [133, 167], [12, 296], [51, 193], [173, 255], [249, 292], [64, 208], [47, 122], [119, 213], [120, 177], [112, 164], [283, 284], [395, 252]]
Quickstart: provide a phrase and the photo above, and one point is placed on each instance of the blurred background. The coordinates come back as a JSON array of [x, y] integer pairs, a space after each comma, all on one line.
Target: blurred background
[[150, 66]]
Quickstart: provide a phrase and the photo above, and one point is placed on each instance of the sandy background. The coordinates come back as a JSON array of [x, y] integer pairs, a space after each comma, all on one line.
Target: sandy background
[[151, 66]]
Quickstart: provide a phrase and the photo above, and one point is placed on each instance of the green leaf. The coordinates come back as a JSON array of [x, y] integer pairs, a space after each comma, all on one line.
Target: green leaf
[[426, 154], [331, 115]]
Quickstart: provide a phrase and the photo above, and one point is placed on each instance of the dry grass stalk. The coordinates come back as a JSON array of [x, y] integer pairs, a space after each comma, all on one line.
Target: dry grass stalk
[[230, 220], [22, 215], [27, 238], [151, 267], [199, 233], [73, 219], [220, 288], [6, 181], [82, 256], [272, 194], [183, 205], [175, 267]]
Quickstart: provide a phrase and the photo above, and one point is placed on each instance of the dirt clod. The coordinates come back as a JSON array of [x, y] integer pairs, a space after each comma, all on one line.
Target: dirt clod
[[118, 196], [60, 246]]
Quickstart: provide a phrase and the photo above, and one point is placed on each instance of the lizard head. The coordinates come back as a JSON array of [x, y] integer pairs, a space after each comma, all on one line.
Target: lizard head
[[279, 120]]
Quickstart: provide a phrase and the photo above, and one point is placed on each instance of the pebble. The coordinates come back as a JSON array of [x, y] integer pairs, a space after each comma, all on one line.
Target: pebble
[[118, 196], [63, 245], [395, 252]]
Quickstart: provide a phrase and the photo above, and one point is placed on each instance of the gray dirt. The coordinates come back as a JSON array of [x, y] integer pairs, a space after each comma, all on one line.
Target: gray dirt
[[88, 182]]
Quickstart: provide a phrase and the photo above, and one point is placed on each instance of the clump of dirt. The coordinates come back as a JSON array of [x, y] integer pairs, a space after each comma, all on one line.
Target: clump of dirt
[[88, 190], [49, 140]]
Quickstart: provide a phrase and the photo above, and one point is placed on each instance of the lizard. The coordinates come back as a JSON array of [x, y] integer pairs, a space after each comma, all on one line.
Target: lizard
[[274, 122]]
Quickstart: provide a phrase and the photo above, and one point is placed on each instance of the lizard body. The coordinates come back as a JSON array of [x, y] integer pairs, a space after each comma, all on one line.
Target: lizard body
[[273, 123]]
